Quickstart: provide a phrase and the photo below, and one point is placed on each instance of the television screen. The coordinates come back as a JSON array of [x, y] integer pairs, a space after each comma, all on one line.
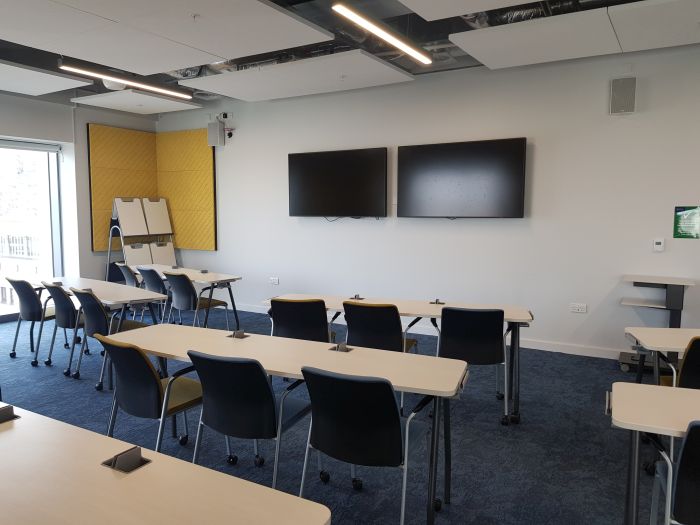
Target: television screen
[[462, 179], [350, 183]]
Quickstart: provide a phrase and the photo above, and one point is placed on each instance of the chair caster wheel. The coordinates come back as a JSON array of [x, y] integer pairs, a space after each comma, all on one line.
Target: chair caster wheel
[[259, 461], [183, 440], [35, 362], [66, 372], [13, 354], [102, 352], [357, 484], [76, 375], [325, 476], [505, 420], [87, 351], [624, 367], [515, 418], [47, 362], [66, 346], [78, 339], [232, 459], [499, 396], [437, 504], [98, 387]]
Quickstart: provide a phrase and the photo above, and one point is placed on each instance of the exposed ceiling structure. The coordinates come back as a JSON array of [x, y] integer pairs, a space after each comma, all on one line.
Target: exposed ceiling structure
[[265, 49]]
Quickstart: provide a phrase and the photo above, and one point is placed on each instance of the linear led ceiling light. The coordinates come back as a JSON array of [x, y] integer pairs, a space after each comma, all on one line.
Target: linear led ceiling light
[[381, 33], [126, 82]]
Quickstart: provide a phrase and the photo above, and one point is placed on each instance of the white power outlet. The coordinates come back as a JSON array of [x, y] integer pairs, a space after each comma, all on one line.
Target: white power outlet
[[578, 308], [274, 280]]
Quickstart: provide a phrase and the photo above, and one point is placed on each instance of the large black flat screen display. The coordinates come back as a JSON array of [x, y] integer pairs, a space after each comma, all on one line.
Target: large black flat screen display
[[349, 183], [462, 179]]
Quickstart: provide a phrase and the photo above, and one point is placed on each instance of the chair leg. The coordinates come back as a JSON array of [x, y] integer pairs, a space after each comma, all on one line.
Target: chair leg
[[179, 314], [112, 416], [499, 382], [13, 353], [53, 340], [100, 382], [198, 440], [161, 427], [76, 374], [31, 337], [195, 319], [228, 327], [187, 427], [506, 391], [306, 461], [35, 361]]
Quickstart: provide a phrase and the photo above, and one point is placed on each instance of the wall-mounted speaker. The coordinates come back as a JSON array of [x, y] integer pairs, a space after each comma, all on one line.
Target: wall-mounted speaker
[[622, 95], [216, 133]]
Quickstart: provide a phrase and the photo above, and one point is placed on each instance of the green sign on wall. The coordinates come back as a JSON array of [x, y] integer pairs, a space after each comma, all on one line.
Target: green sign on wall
[[686, 222]]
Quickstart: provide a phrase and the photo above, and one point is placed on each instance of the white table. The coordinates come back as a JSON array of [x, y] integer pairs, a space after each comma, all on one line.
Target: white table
[[211, 280], [515, 316], [433, 376], [652, 409], [64, 463], [659, 340]]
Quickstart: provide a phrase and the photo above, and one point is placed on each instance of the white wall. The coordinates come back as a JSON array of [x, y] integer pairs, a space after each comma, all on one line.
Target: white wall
[[600, 188], [34, 119]]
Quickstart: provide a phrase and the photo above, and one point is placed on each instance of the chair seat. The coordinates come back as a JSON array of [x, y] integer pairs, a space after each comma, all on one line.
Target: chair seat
[[666, 380], [185, 393], [294, 410], [205, 303], [411, 344]]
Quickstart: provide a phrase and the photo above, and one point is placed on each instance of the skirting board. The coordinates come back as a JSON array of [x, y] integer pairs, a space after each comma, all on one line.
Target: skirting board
[[424, 328]]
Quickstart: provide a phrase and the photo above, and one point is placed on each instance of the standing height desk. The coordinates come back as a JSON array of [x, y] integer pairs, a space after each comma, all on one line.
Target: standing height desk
[[66, 460], [412, 373], [651, 409], [515, 316], [209, 279]]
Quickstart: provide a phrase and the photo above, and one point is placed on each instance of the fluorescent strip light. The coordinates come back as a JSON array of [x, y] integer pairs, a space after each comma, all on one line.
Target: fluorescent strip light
[[139, 85], [381, 33]]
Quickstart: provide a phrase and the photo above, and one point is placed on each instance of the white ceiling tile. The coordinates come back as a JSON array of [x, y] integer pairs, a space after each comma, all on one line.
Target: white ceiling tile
[[656, 23], [438, 9], [18, 78], [135, 101], [227, 28], [324, 74], [562, 37], [53, 27]]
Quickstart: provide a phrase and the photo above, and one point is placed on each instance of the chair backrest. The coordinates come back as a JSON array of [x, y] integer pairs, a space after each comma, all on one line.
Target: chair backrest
[[686, 500], [374, 326], [96, 318], [299, 319], [138, 389], [29, 302], [474, 336], [152, 280], [237, 399], [689, 373], [129, 275], [184, 293], [65, 310], [355, 419]]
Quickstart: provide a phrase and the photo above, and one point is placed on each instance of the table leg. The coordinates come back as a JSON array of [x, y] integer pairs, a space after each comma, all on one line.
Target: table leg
[[233, 306], [640, 368], [448, 451], [655, 357], [515, 371], [433, 321], [432, 474], [206, 314], [632, 497], [152, 311]]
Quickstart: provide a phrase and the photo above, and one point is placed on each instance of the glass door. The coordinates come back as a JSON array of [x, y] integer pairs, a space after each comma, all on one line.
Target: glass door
[[30, 245]]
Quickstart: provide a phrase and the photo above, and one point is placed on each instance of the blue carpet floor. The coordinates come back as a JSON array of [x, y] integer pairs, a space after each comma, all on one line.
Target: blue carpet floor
[[562, 464]]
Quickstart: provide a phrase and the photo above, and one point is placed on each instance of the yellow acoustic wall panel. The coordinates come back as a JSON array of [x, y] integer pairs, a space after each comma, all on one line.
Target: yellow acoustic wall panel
[[185, 167], [122, 164], [176, 165]]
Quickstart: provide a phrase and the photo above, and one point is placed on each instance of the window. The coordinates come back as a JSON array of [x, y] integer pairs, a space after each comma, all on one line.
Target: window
[[30, 223]]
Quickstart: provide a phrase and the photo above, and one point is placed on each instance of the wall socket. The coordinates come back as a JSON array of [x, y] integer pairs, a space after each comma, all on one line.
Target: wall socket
[[578, 308], [274, 280]]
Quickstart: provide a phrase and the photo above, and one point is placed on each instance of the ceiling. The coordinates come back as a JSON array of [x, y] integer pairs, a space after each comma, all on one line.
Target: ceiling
[[255, 43]]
